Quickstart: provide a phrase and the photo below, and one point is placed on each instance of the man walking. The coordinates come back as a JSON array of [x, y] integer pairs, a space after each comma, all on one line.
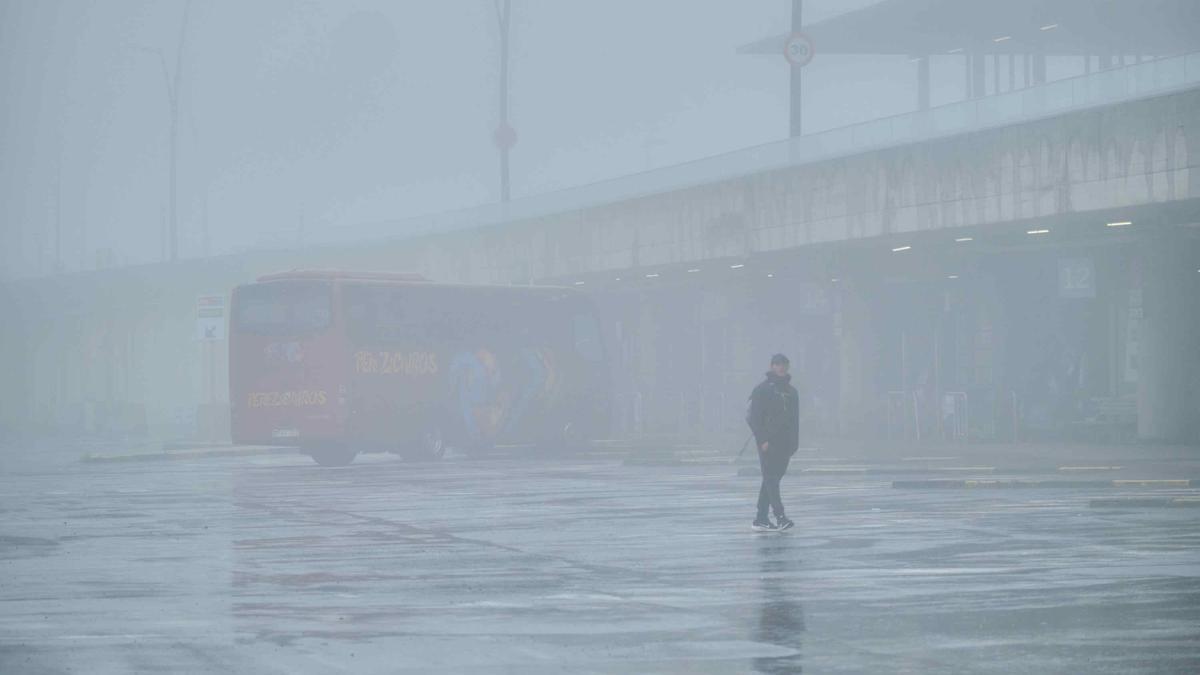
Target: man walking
[[774, 418]]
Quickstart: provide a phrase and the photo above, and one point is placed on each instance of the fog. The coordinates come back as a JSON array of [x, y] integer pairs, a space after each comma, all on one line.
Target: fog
[[359, 112], [497, 335]]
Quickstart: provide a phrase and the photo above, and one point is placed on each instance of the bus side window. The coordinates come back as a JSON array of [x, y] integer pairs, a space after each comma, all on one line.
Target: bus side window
[[587, 337], [310, 312], [360, 312], [391, 320], [356, 308]]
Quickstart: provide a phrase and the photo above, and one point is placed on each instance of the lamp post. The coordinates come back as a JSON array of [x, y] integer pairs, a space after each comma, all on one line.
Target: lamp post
[[794, 89], [505, 136], [172, 87]]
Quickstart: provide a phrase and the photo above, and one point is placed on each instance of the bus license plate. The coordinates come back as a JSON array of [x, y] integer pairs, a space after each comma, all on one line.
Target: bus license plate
[[285, 433]]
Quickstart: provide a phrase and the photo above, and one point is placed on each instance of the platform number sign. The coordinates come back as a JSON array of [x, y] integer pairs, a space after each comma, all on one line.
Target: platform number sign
[[1076, 278], [798, 49]]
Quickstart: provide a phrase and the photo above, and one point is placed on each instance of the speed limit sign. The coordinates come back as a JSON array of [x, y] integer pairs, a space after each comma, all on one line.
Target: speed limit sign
[[798, 49]]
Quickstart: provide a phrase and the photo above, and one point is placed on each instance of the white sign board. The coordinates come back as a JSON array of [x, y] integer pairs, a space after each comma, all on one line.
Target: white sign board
[[798, 49], [812, 299], [210, 317]]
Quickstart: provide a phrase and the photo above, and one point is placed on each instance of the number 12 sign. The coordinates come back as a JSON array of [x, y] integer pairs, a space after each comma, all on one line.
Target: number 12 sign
[[1076, 278]]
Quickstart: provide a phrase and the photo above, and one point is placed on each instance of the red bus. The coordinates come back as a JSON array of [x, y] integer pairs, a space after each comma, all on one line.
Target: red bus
[[338, 363]]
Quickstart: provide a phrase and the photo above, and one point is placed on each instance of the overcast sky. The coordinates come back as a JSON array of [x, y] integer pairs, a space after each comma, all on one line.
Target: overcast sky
[[359, 111]]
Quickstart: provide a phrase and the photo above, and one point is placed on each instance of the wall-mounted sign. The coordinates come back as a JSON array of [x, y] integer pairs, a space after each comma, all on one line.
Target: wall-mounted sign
[[210, 317], [1076, 278]]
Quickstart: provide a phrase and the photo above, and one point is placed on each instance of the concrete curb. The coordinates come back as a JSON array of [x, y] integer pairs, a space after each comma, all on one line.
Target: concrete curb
[[870, 471], [1067, 484], [1144, 502], [876, 471], [190, 454], [915, 471]]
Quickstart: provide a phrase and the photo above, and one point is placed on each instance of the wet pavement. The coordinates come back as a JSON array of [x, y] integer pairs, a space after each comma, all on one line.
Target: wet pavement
[[583, 565]]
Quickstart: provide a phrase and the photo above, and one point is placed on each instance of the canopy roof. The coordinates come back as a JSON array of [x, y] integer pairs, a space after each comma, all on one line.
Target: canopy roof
[[926, 27]]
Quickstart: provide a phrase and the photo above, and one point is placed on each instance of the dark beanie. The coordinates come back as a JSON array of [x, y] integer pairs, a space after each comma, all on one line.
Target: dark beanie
[[780, 358]]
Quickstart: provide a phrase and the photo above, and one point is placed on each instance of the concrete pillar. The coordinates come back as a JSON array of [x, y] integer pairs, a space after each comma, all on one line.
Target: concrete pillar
[[852, 328], [966, 76], [978, 76], [19, 392], [923, 83], [1167, 332], [990, 367], [647, 359], [1039, 68]]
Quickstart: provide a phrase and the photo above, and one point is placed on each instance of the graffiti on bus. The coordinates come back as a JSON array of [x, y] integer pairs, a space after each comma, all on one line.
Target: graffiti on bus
[[490, 400]]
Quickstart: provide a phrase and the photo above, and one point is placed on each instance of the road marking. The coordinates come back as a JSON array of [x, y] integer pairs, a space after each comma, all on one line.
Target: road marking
[[1145, 502], [234, 451], [115, 636], [1000, 483]]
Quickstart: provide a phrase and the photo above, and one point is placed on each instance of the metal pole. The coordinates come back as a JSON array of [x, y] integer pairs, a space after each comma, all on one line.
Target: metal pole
[[187, 6], [58, 263], [204, 224], [502, 16], [162, 232], [923, 83], [173, 223], [937, 376], [212, 372], [173, 84], [795, 84]]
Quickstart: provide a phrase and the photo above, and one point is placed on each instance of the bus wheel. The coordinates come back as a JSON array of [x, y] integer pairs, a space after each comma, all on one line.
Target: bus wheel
[[332, 456]]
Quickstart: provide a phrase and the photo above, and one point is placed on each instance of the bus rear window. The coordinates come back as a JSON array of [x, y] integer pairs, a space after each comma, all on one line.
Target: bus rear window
[[283, 308]]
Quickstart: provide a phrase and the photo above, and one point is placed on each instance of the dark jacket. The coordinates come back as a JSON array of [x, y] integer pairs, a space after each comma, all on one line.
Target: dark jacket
[[774, 415]]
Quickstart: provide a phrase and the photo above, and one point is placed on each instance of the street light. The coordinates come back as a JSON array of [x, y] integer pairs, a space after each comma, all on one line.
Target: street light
[[172, 86], [505, 136]]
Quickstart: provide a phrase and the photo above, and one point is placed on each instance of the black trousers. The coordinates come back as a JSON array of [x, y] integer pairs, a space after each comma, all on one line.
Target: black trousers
[[773, 465]]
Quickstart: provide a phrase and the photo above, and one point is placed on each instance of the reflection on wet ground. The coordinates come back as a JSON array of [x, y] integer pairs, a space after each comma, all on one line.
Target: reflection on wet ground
[[781, 618], [274, 565]]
